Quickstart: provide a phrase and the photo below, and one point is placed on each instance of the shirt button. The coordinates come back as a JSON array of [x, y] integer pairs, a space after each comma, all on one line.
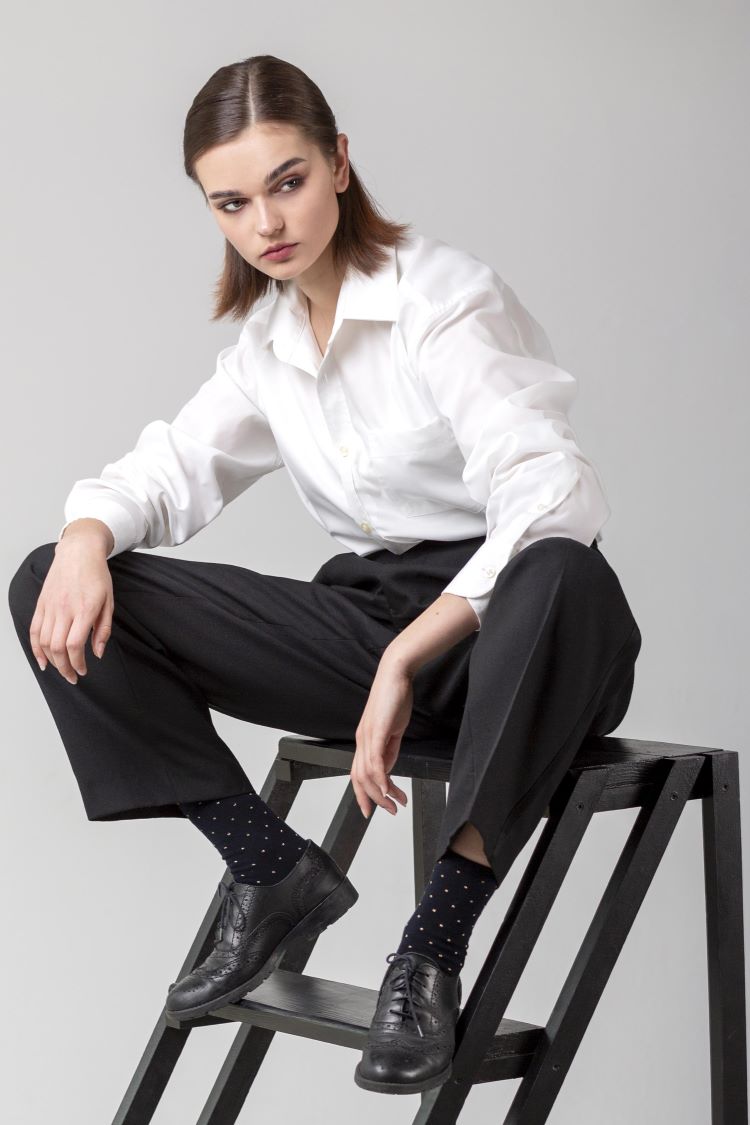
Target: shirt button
[[344, 450], [489, 570], [540, 507], [366, 526]]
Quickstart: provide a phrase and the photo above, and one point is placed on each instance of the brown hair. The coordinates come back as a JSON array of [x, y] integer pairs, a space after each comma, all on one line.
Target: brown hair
[[267, 89]]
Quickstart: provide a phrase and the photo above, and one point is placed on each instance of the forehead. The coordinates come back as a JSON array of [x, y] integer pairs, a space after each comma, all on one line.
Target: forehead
[[250, 156]]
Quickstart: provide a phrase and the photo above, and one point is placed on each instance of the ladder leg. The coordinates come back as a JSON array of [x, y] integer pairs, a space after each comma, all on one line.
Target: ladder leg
[[613, 919], [233, 1083], [577, 800], [428, 806], [169, 1037], [152, 1074], [725, 942]]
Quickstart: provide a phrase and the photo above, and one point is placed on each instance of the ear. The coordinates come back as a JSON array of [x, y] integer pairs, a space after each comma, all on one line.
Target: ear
[[341, 177]]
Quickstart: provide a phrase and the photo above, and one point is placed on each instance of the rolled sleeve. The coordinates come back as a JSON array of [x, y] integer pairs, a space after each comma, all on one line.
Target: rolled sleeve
[[490, 370], [181, 474]]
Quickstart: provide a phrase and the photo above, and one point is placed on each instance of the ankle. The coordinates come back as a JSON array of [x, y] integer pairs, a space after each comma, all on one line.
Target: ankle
[[257, 846], [440, 927]]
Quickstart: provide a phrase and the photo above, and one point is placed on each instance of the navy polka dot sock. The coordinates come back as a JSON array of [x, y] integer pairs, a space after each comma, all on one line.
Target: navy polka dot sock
[[442, 923], [255, 844]]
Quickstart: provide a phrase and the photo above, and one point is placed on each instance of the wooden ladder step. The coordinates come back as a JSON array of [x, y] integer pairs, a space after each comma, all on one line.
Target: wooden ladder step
[[332, 1011]]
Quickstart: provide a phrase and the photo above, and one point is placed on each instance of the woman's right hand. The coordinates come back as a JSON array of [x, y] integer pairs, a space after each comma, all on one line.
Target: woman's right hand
[[76, 597]]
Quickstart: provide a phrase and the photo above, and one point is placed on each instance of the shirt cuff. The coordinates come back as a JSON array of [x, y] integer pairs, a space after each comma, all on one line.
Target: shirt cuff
[[578, 515], [475, 581], [117, 518], [479, 605]]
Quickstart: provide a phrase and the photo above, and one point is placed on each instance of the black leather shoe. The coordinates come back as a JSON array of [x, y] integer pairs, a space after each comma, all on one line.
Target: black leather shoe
[[412, 1036], [256, 925]]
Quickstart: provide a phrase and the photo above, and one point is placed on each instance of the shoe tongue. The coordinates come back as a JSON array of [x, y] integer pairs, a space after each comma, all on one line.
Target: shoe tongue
[[398, 1006], [417, 958], [234, 916], [428, 957]]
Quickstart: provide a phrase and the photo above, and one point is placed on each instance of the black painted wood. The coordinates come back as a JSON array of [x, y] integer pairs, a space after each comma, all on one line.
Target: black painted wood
[[608, 773], [168, 1037], [602, 944], [333, 1012], [235, 1079], [722, 855]]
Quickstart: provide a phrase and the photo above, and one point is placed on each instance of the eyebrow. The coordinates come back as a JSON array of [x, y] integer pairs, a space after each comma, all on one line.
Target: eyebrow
[[268, 180]]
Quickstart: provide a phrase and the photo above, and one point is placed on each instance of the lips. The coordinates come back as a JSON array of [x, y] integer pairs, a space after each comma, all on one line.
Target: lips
[[274, 249]]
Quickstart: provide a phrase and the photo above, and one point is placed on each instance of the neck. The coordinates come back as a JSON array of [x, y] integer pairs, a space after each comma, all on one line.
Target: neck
[[320, 285]]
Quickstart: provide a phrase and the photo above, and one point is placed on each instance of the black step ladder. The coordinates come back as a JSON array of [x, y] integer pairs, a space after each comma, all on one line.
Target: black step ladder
[[607, 773]]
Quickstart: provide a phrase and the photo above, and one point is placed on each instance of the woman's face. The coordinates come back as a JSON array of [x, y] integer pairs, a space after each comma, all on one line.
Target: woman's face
[[296, 205]]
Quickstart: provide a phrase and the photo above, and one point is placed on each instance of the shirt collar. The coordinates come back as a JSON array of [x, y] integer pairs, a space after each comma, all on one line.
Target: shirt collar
[[360, 298]]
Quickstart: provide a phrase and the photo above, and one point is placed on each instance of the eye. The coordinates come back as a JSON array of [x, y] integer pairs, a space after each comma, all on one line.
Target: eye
[[226, 206], [293, 180]]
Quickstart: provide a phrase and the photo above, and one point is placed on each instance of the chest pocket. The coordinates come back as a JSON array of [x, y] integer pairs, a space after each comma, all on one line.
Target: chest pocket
[[418, 469]]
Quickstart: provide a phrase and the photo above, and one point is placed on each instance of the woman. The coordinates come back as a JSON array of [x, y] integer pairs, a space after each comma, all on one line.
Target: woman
[[418, 409]]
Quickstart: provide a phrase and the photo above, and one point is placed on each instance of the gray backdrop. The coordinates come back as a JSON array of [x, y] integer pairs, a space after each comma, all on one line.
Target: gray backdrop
[[594, 152]]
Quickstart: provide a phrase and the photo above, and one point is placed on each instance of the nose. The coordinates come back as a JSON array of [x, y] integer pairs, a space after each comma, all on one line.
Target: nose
[[269, 221]]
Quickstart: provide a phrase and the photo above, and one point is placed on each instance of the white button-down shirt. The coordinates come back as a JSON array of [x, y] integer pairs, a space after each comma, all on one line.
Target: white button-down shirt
[[435, 412]]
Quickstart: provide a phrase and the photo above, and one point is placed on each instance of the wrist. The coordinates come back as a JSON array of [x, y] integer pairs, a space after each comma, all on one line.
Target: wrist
[[398, 661], [92, 532]]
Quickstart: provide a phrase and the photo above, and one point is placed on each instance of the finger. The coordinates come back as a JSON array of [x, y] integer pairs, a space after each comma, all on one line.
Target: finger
[[102, 630], [76, 645], [34, 631], [390, 758], [376, 772], [45, 639], [59, 650], [376, 789], [375, 794], [360, 795], [358, 772], [368, 790], [394, 791]]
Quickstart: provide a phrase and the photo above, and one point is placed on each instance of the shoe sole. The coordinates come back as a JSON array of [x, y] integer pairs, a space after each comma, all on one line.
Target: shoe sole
[[402, 1087], [328, 911]]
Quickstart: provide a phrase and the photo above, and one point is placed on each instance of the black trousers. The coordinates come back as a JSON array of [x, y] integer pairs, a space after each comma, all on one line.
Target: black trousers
[[553, 661]]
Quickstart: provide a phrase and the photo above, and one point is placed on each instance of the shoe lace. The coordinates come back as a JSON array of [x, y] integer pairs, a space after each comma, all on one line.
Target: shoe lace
[[407, 967], [229, 897]]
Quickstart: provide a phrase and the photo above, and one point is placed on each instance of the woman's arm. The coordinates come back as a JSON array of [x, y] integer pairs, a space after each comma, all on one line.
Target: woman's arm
[[389, 704], [490, 370], [443, 624], [181, 474]]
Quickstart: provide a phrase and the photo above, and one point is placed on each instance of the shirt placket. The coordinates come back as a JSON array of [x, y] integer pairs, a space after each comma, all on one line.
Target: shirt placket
[[346, 441]]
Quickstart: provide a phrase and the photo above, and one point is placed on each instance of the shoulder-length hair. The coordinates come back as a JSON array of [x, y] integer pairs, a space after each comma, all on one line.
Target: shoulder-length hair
[[267, 89]]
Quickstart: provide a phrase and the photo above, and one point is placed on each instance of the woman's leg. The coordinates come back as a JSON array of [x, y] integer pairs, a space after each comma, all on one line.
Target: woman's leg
[[552, 662], [188, 636]]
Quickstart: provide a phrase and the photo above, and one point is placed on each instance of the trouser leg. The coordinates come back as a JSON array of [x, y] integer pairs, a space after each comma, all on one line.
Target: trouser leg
[[552, 663], [186, 637]]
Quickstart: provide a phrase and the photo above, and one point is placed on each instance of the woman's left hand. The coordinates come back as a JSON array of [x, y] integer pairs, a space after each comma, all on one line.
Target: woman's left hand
[[384, 720]]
